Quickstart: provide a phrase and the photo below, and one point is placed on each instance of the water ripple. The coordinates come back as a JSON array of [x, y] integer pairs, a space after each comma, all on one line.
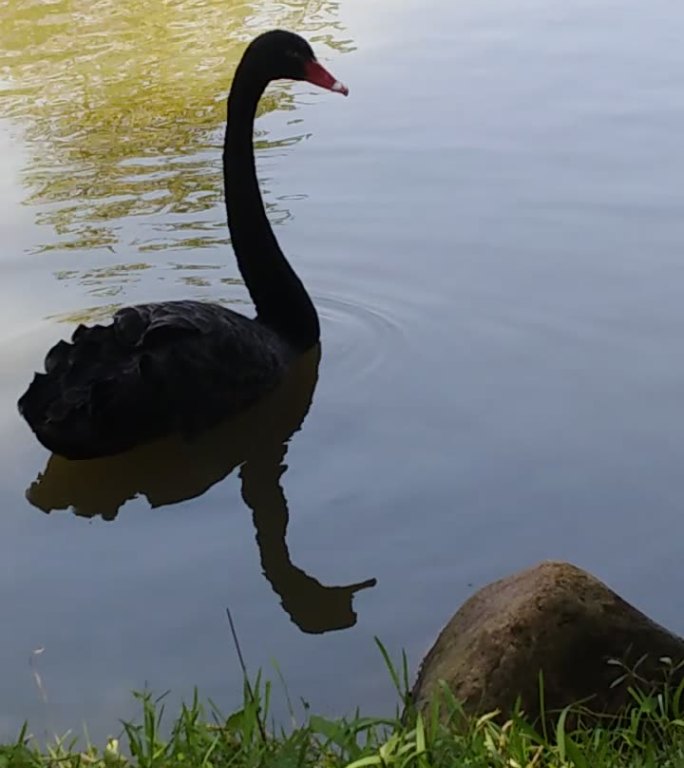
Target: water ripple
[[358, 337]]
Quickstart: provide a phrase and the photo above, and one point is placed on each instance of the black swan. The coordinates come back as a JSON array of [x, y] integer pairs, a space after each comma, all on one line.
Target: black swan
[[180, 366]]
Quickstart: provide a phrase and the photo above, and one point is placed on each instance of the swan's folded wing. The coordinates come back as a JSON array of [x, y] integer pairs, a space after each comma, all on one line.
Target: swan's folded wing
[[155, 368]]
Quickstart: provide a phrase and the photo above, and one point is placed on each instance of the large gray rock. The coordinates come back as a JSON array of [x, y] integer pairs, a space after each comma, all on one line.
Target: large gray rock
[[553, 617]]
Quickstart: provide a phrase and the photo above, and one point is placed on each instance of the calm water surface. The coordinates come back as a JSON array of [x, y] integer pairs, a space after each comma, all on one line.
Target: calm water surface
[[491, 226]]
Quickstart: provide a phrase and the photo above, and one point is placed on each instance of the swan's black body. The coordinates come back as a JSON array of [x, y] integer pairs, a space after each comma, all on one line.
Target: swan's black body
[[175, 366], [182, 365]]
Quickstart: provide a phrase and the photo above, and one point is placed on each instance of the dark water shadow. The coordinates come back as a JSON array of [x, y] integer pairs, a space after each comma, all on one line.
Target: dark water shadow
[[173, 470]]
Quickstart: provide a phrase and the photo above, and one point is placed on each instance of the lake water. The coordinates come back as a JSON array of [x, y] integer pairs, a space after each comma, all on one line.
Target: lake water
[[491, 226]]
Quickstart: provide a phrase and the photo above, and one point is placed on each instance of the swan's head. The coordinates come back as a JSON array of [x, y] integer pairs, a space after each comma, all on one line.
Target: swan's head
[[286, 55]]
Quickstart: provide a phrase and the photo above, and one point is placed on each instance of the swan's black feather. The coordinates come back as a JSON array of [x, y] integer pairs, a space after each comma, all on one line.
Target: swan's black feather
[[157, 368]]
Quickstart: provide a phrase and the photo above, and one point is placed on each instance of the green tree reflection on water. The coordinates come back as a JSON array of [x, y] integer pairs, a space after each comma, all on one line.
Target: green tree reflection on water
[[122, 106]]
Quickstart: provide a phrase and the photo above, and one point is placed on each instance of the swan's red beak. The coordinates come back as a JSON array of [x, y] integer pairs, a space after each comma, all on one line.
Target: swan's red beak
[[319, 75]]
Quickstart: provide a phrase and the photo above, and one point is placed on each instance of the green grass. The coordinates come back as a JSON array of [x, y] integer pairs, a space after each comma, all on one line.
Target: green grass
[[649, 734]]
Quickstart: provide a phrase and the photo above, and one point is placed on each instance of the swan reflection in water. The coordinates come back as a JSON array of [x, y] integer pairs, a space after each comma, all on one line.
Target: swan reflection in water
[[173, 470]]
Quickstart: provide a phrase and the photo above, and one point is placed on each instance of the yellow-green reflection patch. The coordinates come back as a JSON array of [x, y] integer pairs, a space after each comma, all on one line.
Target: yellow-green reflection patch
[[120, 103]]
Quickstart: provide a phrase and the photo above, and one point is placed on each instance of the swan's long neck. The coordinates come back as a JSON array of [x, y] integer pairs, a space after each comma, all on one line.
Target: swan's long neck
[[279, 296]]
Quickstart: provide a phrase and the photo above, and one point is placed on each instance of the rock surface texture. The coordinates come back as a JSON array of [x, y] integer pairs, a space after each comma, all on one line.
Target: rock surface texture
[[553, 617]]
